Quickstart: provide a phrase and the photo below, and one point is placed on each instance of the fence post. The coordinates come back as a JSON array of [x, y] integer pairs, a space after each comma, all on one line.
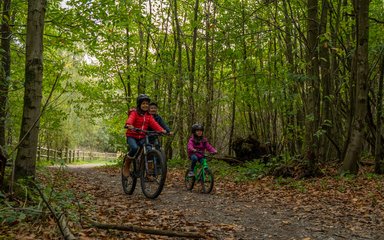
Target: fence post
[[38, 153], [48, 152], [66, 155]]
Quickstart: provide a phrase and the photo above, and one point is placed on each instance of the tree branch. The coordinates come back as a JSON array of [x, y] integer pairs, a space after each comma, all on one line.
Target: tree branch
[[60, 220], [132, 228]]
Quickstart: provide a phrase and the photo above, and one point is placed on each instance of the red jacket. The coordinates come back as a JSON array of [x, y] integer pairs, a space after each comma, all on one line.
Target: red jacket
[[141, 121]]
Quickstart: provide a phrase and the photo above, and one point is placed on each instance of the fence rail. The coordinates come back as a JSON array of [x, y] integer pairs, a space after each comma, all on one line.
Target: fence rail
[[72, 155]]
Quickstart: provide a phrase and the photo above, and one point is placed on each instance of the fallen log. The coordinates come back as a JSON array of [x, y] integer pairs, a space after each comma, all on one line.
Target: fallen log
[[132, 228], [230, 160]]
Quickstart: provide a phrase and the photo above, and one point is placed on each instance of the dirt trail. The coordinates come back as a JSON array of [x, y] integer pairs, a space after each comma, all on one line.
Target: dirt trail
[[223, 214]]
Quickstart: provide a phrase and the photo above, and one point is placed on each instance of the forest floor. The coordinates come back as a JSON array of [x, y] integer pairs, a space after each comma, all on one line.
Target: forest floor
[[328, 208]]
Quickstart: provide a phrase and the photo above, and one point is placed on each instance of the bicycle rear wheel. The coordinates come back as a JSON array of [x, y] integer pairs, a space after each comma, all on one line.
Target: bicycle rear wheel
[[207, 180], [189, 180], [129, 182], [153, 174]]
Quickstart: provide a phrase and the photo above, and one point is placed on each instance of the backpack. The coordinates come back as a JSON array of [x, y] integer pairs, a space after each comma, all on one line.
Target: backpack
[[132, 109]]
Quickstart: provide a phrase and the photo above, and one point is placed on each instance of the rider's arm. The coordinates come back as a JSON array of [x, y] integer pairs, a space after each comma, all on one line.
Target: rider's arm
[[154, 125], [210, 148], [131, 119], [190, 146], [161, 122]]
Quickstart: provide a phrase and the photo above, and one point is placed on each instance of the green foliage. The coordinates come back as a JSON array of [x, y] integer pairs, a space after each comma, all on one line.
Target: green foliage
[[249, 171], [178, 162], [27, 204]]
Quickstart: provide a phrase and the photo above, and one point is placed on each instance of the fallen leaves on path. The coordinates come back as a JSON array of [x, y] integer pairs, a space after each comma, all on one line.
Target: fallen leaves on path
[[263, 209]]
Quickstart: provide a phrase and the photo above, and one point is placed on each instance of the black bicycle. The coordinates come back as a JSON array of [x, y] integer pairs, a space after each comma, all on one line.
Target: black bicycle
[[149, 165]]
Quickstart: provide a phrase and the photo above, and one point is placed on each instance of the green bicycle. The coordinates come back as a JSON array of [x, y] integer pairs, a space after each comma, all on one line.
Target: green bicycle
[[203, 175]]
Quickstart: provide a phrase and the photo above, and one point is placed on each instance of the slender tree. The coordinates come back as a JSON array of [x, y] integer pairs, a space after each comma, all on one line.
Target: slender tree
[[360, 68], [5, 75], [25, 164], [312, 105]]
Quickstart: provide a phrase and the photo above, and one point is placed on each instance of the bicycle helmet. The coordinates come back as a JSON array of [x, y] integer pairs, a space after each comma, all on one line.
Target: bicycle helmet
[[196, 127], [141, 98]]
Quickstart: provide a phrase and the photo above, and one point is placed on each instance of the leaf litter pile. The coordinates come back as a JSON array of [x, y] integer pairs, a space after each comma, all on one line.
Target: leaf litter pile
[[320, 208]]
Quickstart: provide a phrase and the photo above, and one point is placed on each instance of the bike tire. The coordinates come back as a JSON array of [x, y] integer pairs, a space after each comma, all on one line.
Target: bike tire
[[189, 180], [129, 183], [153, 180], [163, 153], [208, 181]]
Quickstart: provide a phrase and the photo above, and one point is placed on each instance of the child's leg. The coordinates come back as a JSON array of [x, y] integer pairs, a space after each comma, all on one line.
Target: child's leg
[[194, 159], [133, 147]]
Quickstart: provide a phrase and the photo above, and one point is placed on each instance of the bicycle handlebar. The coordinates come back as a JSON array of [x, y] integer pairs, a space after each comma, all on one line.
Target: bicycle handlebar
[[206, 154], [148, 132]]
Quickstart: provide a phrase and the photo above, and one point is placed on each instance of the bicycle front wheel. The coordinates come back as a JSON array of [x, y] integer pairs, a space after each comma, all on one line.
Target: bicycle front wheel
[[207, 180], [189, 180], [153, 174], [129, 182]]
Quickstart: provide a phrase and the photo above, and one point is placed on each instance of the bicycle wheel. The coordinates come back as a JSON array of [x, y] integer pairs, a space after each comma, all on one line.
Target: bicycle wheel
[[153, 174], [207, 180], [189, 180], [129, 183]]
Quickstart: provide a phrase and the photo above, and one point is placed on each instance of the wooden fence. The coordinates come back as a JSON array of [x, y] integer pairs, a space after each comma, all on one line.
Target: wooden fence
[[72, 155]]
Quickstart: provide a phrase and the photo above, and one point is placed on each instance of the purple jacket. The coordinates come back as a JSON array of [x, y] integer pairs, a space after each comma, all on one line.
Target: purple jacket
[[202, 146]]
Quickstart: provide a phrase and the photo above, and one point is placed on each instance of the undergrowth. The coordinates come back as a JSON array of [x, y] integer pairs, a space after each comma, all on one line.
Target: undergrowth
[[30, 200]]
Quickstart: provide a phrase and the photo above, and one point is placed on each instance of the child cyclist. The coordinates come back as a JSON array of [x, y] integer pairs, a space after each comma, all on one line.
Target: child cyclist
[[153, 111], [197, 145], [141, 119]]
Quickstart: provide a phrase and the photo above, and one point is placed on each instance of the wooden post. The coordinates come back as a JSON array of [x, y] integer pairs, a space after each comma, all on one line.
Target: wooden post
[[48, 152], [38, 153], [66, 155]]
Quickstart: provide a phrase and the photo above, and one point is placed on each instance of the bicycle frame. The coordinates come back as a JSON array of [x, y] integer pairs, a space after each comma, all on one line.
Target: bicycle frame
[[142, 153], [199, 167], [149, 166]]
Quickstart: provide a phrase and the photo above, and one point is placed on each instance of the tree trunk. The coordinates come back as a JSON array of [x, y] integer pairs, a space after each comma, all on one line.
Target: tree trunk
[[378, 148], [192, 114], [179, 85], [326, 81], [360, 69], [5, 74], [233, 115], [25, 164], [141, 84], [208, 70], [312, 94]]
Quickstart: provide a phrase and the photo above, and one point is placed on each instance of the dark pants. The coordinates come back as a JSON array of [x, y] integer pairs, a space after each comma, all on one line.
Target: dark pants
[[134, 145], [194, 159]]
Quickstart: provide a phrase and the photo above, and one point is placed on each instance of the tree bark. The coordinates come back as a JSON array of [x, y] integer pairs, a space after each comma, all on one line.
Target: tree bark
[[326, 81], [179, 84], [378, 148], [208, 70], [25, 164], [5, 74], [312, 95], [360, 70], [192, 114]]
